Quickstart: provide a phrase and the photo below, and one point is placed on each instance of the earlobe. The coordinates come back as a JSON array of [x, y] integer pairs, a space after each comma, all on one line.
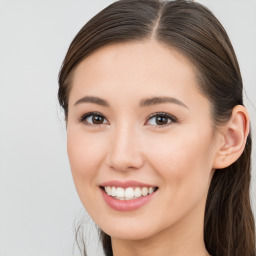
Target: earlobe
[[233, 139]]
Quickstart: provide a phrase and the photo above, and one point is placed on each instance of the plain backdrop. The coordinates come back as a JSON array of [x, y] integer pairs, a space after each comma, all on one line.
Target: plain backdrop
[[38, 201]]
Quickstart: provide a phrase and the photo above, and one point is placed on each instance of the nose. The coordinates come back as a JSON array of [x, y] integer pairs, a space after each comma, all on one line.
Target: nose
[[125, 150]]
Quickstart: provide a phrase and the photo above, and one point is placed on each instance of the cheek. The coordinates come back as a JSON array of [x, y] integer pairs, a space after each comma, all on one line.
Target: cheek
[[184, 165], [183, 160], [85, 153]]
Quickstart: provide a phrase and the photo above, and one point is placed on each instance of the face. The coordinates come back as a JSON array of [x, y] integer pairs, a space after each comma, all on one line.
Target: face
[[141, 142]]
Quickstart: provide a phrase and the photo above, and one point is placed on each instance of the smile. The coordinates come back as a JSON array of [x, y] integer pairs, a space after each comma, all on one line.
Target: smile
[[129, 193], [127, 196]]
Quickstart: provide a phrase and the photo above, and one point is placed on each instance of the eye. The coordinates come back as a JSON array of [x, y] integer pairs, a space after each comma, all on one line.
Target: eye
[[161, 119], [93, 119]]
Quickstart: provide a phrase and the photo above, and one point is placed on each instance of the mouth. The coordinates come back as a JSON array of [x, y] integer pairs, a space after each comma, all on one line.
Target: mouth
[[128, 193], [127, 196]]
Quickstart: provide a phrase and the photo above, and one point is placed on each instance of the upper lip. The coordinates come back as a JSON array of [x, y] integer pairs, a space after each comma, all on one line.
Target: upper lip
[[125, 184]]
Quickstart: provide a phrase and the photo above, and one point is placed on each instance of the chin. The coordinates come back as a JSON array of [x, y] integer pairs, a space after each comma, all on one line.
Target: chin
[[129, 229], [128, 234]]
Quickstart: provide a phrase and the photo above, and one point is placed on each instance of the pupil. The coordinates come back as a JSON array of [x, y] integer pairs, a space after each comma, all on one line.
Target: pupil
[[97, 119], [161, 120]]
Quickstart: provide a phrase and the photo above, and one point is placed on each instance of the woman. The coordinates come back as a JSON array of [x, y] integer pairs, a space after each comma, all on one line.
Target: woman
[[158, 138]]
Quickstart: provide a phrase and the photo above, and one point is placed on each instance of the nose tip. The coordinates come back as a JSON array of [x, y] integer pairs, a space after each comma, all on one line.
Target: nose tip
[[124, 163], [124, 160], [125, 153]]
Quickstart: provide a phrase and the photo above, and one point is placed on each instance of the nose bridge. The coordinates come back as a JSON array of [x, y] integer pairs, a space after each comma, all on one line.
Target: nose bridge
[[125, 150]]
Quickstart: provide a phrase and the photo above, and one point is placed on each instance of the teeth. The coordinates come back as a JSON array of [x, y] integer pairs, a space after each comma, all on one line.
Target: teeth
[[128, 193], [150, 190], [137, 192], [144, 191], [119, 192], [113, 191], [108, 190]]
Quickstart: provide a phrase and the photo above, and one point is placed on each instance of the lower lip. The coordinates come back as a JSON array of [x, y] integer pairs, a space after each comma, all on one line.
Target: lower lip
[[126, 205]]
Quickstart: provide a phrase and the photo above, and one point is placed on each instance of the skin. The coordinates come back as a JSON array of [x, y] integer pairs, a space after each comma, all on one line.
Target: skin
[[178, 157]]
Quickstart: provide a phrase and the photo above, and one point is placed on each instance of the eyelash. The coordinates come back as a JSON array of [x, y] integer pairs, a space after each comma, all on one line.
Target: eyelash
[[171, 118]]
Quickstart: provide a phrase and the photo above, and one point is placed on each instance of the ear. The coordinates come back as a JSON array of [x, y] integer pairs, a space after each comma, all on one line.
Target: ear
[[233, 138]]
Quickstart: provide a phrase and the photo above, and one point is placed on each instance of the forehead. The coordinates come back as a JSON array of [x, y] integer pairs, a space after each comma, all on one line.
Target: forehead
[[136, 69], [136, 57]]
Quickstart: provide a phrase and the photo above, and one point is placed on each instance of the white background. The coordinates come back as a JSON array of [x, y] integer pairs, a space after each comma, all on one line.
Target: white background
[[38, 201]]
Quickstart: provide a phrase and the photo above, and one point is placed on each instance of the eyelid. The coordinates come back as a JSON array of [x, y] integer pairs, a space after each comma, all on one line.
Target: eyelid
[[93, 113], [164, 114]]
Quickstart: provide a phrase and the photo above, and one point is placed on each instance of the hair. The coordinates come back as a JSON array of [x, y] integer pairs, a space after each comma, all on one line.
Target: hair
[[193, 30]]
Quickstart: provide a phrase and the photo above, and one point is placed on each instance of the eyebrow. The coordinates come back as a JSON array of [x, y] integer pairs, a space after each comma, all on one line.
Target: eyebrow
[[143, 103], [160, 100], [92, 99]]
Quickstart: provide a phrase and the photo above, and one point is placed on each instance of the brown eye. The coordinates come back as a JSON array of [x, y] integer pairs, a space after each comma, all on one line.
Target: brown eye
[[161, 119], [93, 119], [97, 119]]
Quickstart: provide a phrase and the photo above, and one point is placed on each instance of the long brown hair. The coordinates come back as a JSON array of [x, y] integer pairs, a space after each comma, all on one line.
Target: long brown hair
[[194, 31]]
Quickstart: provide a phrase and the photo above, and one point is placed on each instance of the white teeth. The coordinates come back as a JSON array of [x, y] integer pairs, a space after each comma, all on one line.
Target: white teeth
[[137, 192], [144, 191], [150, 190], [113, 191], [128, 193], [108, 190], [119, 192]]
